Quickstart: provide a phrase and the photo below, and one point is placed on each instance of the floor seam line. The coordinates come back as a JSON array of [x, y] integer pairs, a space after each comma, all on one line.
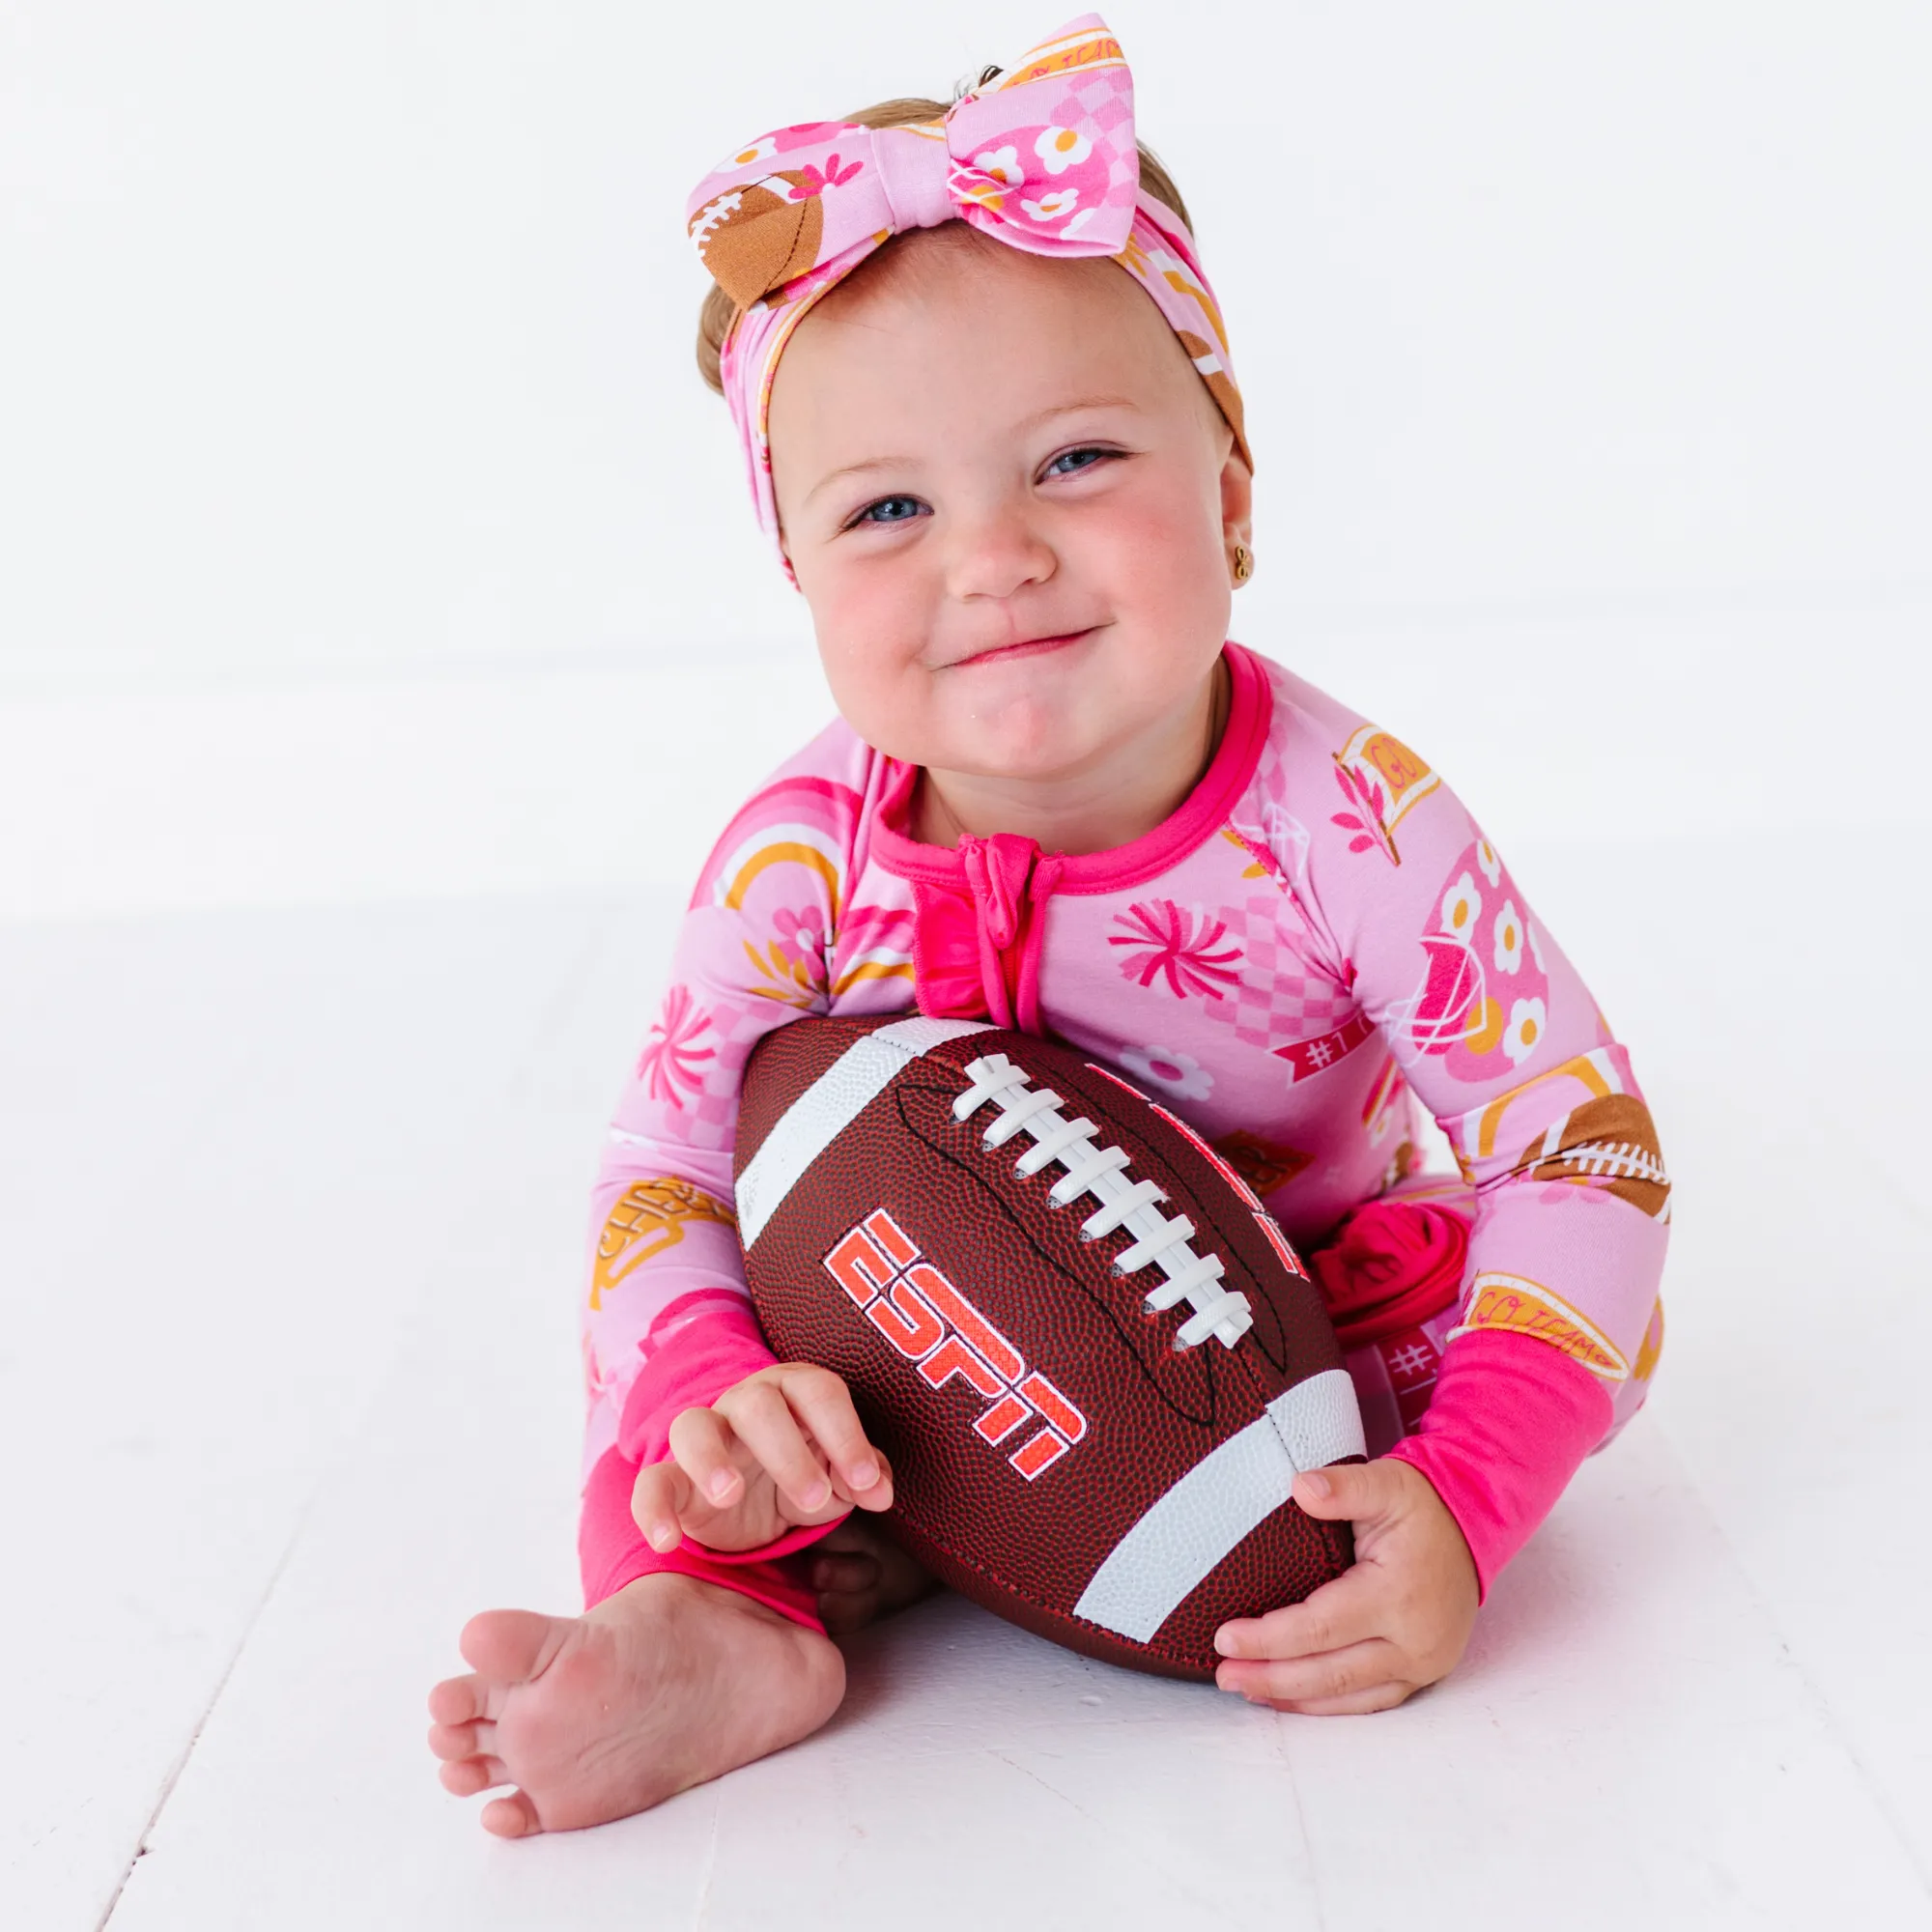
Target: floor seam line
[[181, 1763]]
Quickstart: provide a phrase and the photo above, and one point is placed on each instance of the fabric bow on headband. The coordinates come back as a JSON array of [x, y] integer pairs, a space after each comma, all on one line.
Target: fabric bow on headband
[[1041, 158]]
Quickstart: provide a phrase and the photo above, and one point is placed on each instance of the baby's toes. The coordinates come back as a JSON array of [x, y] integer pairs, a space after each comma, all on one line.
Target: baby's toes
[[512, 1646], [845, 1576], [457, 1700], [842, 1614], [470, 1775], [511, 1817], [454, 1740]]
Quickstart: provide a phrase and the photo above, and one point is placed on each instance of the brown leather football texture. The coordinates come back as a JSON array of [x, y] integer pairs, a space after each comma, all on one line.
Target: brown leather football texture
[[1095, 1362]]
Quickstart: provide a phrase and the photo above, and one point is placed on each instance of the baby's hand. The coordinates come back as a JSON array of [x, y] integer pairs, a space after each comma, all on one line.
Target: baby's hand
[[1380, 1632], [781, 1448]]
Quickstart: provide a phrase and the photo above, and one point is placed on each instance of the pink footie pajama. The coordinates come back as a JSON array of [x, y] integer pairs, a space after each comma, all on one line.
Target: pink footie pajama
[[1317, 940]]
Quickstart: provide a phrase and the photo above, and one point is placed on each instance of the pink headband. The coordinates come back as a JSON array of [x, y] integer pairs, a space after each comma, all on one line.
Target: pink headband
[[1042, 158]]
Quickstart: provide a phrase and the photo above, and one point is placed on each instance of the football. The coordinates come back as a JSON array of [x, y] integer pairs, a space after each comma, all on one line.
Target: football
[[1095, 1362]]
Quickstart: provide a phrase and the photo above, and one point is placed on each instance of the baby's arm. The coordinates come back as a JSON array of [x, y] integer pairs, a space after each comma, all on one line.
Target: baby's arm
[[1501, 1041], [667, 1327]]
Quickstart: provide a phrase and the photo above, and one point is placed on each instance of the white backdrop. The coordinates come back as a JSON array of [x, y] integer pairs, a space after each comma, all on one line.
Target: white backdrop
[[364, 528]]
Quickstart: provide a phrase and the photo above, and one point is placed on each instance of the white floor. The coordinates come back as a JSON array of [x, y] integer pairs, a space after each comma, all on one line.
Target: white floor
[[290, 1212]]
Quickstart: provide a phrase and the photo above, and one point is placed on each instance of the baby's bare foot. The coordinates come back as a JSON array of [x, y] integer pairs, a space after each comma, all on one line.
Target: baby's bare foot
[[862, 1575], [664, 1685]]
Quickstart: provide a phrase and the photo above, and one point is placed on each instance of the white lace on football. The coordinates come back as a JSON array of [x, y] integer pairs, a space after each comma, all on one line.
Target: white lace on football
[[1133, 1205]]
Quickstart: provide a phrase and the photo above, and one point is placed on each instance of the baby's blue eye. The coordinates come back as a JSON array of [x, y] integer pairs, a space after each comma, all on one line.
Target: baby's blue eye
[[890, 510], [1071, 462]]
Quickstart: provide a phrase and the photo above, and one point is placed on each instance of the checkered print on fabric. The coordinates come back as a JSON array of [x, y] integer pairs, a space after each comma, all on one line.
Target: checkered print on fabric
[[715, 1111], [1280, 996]]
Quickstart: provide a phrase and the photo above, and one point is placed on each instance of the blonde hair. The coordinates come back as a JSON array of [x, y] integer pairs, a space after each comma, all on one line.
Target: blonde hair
[[718, 311]]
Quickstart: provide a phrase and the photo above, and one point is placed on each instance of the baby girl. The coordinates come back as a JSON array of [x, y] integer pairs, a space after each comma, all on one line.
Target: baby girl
[[990, 420]]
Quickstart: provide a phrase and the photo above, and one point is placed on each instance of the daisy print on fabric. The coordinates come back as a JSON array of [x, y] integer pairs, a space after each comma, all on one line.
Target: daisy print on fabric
[[1462, 904], [1480, 1002], [1053, 204], [782, 140], [993, 173], [1063, 178], [1060, 148], [1178, 1073], [1506, 939], [1184, 948], [793, 962], [1525, 1030], [761, 149]]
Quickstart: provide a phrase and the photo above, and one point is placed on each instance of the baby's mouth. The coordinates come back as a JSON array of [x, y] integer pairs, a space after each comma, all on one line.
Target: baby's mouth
[[1026, 647]]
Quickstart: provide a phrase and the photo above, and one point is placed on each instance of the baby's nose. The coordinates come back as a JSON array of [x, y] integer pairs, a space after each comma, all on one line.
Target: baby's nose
[[997, 555]]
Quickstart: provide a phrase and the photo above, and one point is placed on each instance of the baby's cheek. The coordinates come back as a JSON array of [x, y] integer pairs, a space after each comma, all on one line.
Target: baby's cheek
[[1165, 577], [1155, 536], [870, 634]]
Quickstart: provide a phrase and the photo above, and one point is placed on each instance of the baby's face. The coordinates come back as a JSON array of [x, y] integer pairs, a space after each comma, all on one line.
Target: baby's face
[[1009, 502]]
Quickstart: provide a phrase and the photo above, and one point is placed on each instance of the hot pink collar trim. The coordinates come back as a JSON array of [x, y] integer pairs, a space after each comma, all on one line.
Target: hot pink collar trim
[[1197, 817]]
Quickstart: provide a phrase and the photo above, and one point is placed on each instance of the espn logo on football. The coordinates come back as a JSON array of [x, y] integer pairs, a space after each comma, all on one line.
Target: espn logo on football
[[935, 1326]]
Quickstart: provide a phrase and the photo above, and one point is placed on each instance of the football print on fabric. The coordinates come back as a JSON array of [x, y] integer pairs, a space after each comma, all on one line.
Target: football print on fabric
[[1482, 1002]]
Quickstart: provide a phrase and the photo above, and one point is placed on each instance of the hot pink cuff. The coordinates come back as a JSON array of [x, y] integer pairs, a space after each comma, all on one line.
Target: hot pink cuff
[[689, 1368], [611, 1552], [1508, 1423]]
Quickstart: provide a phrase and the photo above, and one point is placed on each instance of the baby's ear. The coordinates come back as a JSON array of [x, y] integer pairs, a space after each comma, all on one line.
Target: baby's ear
[[1237, 498]]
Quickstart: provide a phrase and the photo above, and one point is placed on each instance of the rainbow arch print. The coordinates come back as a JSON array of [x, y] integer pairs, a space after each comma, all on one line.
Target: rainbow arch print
[[779, 845], [1599, 1073], [802, 821]]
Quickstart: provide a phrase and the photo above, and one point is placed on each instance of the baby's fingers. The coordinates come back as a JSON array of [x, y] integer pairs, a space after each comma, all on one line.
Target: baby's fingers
[[823, 1404], [1362, 1677], [762, 1420], [1350, 1609], [1357, 1704], [659, 1499], [701, 1446]]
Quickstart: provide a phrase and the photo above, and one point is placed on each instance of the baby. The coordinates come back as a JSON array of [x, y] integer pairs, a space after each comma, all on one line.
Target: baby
[[990, 419]]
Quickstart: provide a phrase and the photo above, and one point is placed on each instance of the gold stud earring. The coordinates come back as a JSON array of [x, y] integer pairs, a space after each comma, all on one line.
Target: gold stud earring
[[1244, 563]]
